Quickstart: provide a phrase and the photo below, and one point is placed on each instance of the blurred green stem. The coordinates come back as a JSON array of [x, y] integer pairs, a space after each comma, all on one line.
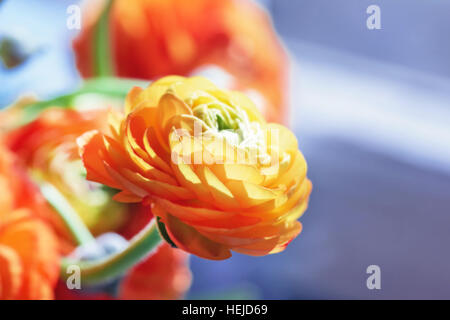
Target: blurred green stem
[[102, 55], [71, 219], [98, 272], [111, 267], [108, 87]]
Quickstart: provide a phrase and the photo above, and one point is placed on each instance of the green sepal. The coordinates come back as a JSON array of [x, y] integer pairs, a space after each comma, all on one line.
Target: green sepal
[[164, 234]]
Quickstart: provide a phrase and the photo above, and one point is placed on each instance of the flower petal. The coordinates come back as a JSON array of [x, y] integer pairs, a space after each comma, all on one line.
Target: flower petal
[[188, 239]]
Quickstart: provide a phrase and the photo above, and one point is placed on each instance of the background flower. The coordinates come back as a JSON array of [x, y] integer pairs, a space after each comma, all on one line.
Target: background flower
[[154, 38], [29, 250], [29, 260], [47, 147]]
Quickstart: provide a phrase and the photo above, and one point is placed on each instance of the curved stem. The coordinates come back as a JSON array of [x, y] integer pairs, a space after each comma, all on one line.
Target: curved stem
[[70, 218], [109, 87], [97, 272]]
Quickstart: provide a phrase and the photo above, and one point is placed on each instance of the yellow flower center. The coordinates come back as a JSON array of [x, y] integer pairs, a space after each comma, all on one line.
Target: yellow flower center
[[232, 124]]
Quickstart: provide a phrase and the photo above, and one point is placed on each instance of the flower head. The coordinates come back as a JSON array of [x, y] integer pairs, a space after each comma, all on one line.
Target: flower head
[[215, 173]]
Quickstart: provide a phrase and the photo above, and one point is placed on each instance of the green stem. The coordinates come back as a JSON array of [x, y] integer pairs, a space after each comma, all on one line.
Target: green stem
[[97, 272], [103, 62], [71, 219]]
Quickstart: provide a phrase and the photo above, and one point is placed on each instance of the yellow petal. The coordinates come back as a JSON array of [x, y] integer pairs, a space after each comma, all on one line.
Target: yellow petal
[[236, 171], [168, 107], [223, 197], [132, 100], [249, 194], [189, 179], [155, 187], [280, 139]]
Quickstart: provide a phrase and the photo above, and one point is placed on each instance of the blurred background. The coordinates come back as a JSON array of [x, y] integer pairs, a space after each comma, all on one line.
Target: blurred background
[[371, 110]]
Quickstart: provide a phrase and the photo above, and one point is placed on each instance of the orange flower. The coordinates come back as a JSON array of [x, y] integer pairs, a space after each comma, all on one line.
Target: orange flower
[[155, 38], [47, 146], [164, 276], [29, 259], [248, 203]]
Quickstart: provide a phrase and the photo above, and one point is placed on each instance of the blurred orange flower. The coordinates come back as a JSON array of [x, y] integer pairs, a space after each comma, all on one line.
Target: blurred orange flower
[[155, 38], [29, 258], [165, 276], [47, 147], [208, 208]]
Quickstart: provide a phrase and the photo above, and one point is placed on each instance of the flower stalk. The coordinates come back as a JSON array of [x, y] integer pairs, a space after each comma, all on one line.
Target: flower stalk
[[71, 219], [109, 268], [108, 87], [103, 63], [112, 267]]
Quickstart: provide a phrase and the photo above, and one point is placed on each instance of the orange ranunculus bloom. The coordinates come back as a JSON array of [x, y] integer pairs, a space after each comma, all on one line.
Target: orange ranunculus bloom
[[248, 203], [155, 38], [29, 258], [47, 147]]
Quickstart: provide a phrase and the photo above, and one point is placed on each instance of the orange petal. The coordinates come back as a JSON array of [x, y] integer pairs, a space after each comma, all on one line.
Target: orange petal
[[144, 167], [270, 246], [139, 146], [11, 273], [188, 239], [126, 197], [91, 144], [198, 216], [156, 187]]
